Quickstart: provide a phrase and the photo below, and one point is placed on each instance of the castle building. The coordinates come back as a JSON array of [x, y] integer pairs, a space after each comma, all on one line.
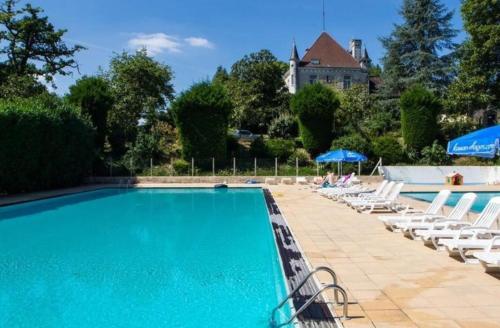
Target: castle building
[[327, 62]]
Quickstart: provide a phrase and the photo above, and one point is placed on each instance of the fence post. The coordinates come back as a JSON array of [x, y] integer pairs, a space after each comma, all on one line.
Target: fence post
[[359, 168], [213, 166], [234, 166], [111, 167], [192, 166], [276, 166], [131, 166], [255, 167], [317, 169], [151, 167], [296, 166]]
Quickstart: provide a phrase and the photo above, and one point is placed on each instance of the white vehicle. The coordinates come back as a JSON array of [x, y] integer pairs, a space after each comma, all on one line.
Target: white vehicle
[[245, 135]]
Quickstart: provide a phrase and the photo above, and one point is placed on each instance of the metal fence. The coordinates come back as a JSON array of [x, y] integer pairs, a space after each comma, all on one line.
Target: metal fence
[[230, 167]]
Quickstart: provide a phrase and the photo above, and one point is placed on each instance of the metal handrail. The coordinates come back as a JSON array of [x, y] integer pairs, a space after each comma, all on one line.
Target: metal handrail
[[312, 299], [379, 163], [303, 282]]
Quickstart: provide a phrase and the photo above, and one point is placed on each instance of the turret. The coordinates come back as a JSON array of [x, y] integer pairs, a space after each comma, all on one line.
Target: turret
[[294, 69], [365, 61], [355, 49]]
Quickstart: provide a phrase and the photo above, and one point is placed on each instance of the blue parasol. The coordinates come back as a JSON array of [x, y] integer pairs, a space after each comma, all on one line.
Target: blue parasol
[[481, 143]]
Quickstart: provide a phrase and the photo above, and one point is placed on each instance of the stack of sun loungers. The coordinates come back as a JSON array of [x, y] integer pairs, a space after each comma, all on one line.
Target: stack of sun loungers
[[474, 242]]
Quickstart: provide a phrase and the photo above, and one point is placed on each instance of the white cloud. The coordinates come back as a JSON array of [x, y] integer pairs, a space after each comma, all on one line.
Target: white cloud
[[156, 43], [199, 42]]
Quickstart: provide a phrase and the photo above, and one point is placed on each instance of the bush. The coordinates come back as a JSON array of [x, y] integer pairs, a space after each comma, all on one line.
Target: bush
[[181, 166], [434, 155], [419, 110], [93, 96], [284, 126], [315, 107], [280, 148], [233, 146], [353, 142], [389, 148], [454, 126], [302, 155], [258, 148], [201, 115], [42, 147]]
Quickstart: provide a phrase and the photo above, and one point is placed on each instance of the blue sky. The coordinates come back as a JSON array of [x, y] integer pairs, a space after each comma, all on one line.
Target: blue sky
[[195, 36]]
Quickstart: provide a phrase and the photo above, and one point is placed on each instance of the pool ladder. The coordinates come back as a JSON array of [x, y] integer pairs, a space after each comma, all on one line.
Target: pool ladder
[[336, 288]]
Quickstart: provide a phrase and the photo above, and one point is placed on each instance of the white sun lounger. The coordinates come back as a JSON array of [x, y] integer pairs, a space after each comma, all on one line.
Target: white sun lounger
[[488, 258], [459, 246], [364, 198], [459, 230], [414, 228], [432, 211], [301, 180], [351, 197], [390, 203]]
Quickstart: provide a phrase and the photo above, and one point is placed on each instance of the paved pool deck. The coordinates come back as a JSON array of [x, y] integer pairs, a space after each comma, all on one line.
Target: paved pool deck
[[394, 281]]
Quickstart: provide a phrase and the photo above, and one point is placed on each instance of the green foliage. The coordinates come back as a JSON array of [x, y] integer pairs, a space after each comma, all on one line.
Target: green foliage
[[142, 88], [284, 126], [419, 110], [258, 148], [201, 115], [353, 142], [302, 155], [478, 83], [42, 147], [233, 146], [13, 86], [258, 91], [30, 44], [379, 123], [221, 76], [434, 155], [389, 149], [181, 167], [93, 96], [280, 148], [454, 126], [315, 107], [420, 49], [354, 107]]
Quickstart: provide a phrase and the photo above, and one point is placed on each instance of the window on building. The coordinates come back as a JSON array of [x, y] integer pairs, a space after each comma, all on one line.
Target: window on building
[[347, 82], [328, 79], [313, 79], [315, 61]]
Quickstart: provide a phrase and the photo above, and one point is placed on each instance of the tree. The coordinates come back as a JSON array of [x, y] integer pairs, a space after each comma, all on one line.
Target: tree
[[221, 76], [355, 104], [31, 45], [389, 149], [93, 96], [420, 50], [419, 110], [315, 107], [142, 88], [478, 83], [257, 88], [201, 115]]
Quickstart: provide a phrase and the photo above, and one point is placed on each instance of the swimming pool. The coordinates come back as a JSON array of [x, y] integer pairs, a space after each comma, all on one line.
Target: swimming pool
[[481, 200], [140, 258]]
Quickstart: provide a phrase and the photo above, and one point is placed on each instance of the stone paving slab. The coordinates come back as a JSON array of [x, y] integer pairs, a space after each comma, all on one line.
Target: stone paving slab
[[395, 282]]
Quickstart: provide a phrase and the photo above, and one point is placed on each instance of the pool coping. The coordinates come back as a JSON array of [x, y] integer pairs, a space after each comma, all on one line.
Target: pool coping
[[276, 217]]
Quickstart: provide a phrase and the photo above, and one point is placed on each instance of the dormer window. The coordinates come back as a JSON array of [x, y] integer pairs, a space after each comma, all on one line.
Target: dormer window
[[315, 61]]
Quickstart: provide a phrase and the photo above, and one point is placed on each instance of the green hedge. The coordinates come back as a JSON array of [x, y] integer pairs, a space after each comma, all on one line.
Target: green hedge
[[201, 115], [419, 110], [315, 107], [389, 149], [43, 147]]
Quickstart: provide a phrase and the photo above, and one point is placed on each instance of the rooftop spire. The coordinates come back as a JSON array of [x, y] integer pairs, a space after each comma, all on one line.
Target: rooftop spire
[[295, 53], [324, 17]]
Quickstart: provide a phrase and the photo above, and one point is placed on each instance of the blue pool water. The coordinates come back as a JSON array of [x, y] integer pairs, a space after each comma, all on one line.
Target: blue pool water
[[481, 200], [139, 258]]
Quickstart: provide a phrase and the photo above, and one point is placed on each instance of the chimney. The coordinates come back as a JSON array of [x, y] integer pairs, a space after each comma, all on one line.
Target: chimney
[[355, 49]]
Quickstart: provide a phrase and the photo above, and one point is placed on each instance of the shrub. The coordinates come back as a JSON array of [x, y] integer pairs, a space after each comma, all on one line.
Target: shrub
[[389, 149], [302, 155], [181, 166], [454, 126], [258, 148], [280, 148], [419, 110], [434, 155], [42, 147], [93, 96], [353, 142], [315, 107], [232, 145], [284, 126], [201, 115]]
